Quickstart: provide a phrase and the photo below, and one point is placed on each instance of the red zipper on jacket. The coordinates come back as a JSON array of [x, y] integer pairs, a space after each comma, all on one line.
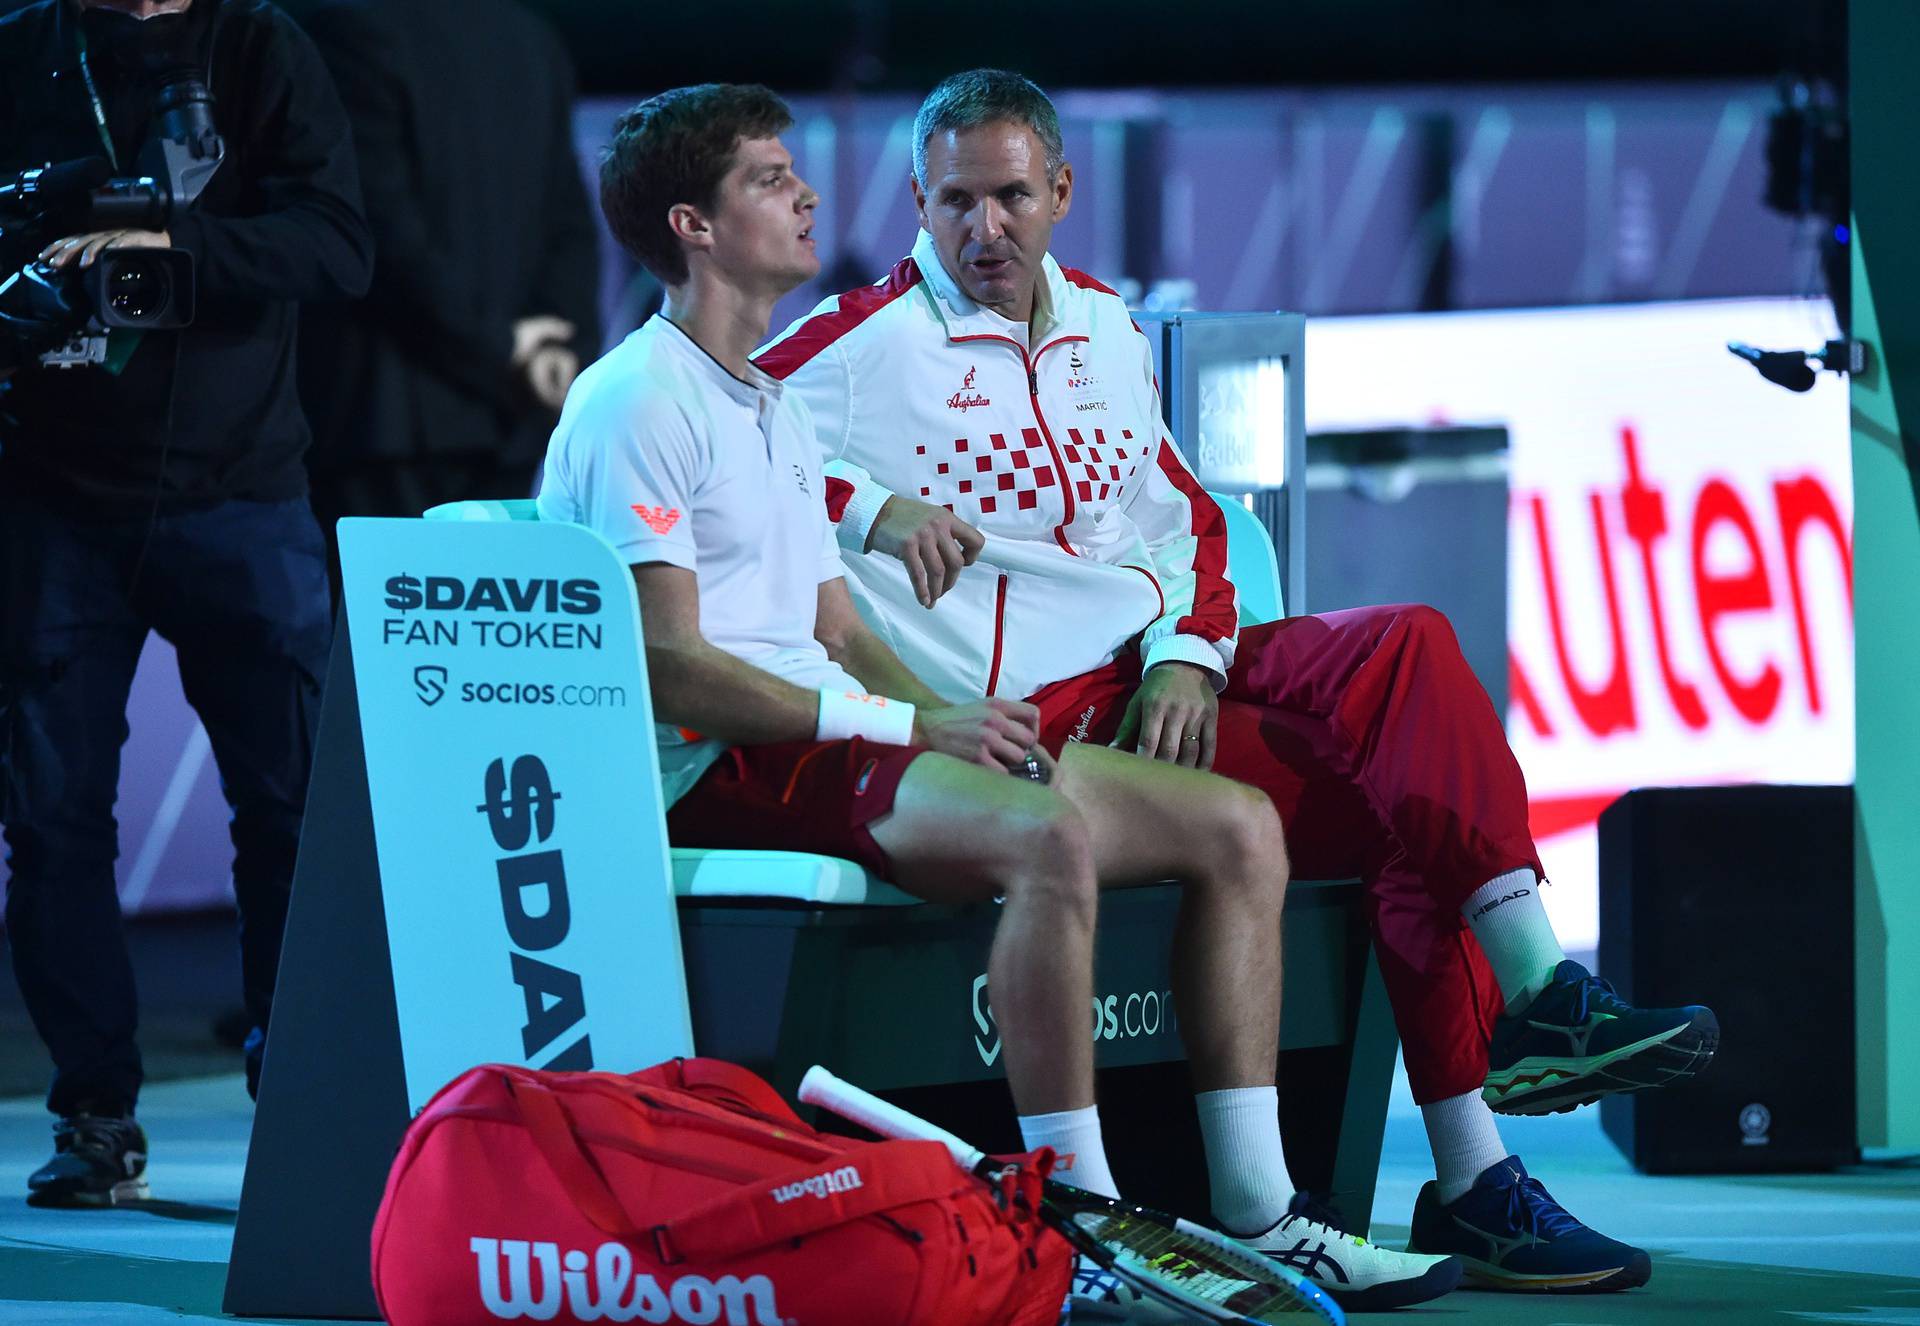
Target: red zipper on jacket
[[1030, 362], [1153, 580], [999, 632]]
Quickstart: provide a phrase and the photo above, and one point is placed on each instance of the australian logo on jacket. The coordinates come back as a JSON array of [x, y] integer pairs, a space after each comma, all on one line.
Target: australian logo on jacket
[[541, 1280], [967, 398]]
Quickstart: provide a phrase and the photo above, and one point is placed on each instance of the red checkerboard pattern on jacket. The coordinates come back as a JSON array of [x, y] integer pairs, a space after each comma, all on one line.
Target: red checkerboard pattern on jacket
[[985, 473]]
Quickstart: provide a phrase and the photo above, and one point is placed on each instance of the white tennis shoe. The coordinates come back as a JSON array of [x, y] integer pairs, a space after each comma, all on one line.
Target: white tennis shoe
[[1358, 1275], [1101, 1296]]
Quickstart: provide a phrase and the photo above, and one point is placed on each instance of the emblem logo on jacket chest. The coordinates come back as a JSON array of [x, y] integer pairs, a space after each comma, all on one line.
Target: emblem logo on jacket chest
[[967, 398], [1082, 387]]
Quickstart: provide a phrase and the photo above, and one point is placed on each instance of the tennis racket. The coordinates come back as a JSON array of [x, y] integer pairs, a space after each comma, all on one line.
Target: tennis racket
[[1172, 1261]]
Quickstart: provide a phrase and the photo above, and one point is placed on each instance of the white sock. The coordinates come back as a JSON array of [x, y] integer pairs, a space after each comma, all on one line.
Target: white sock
[[1506, 916], [1080, 1155], [1465, 1141], [1246, 1167]]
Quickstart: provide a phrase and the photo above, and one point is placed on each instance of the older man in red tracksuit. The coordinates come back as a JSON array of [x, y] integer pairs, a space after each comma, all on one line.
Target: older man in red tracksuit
[[985, 410]]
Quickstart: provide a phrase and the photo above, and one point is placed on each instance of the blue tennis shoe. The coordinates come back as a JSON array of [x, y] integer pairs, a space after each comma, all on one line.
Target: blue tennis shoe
[[1578, 1041], [1510, 1234]]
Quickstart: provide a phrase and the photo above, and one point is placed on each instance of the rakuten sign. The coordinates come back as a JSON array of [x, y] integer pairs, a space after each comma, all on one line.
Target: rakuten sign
[[1680, 543]]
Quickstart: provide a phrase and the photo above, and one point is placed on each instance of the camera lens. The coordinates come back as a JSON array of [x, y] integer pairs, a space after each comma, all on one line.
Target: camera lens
[[138, 288]]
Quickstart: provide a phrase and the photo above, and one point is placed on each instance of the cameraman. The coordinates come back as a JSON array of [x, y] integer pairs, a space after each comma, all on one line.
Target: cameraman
[[166, 496]]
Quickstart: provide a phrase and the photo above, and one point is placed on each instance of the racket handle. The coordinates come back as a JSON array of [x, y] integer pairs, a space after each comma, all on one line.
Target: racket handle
[[819, 1087]]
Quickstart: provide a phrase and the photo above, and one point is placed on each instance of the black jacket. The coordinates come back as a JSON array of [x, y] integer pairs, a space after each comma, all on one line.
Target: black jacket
[[462, 115], [210, 412]]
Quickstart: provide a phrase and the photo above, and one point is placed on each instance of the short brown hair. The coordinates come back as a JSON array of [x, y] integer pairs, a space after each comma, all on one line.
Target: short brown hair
[[987, 96], [676, 148]]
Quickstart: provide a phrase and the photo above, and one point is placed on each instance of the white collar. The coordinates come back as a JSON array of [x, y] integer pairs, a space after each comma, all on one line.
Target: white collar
[[964, 317], [752, 390]]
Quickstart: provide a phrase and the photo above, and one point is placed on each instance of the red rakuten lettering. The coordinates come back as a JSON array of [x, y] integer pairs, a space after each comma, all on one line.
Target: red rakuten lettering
[[1609, 707], [1801, 502], [1646, 511], [1721, 596], [1520, 691]]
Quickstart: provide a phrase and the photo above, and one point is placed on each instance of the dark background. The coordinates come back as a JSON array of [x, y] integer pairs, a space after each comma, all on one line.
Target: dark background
[[630, 46], [908, 46]]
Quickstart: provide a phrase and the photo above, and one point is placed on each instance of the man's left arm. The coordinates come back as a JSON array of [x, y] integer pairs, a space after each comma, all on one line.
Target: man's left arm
[[307, 239], [932, 543], [1187, 650], [851, 643]]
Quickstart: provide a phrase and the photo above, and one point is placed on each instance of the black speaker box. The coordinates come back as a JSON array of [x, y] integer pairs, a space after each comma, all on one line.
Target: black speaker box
[[1739, 898]]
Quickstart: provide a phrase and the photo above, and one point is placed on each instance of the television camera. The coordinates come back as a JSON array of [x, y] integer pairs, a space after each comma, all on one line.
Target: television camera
[[60, 317]]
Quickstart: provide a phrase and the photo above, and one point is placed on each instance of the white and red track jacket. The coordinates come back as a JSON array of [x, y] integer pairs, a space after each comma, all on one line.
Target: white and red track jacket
[[1097, 532]]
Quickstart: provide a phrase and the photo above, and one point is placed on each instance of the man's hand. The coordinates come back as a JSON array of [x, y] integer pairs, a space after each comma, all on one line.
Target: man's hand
[[543, 358], [934, 544], [85, 248], [550, 372], [1173, 716], [529, 334], [994, 733]]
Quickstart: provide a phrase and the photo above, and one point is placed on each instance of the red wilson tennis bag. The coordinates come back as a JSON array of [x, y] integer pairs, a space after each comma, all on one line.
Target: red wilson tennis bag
[[691, 1193]]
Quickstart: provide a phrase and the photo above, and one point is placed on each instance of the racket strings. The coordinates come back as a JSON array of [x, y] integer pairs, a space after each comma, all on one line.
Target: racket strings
[[1193, 1267]]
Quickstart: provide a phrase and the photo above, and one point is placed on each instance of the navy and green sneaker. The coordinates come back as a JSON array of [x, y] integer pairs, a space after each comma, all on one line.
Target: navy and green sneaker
[[1510, 1234], [1578, 1041]]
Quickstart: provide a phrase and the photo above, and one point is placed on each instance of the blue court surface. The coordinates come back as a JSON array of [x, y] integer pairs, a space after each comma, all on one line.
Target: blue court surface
[[1814, 1248]]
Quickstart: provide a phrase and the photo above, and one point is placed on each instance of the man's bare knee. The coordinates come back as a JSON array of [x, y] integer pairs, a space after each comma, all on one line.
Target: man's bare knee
[[1050, 855], [1249, 842]]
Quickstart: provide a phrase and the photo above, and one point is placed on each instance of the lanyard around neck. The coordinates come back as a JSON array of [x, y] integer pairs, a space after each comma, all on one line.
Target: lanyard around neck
[[93, 96]]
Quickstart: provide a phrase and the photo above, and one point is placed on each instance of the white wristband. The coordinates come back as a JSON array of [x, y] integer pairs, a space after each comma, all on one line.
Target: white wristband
[[875, 717]]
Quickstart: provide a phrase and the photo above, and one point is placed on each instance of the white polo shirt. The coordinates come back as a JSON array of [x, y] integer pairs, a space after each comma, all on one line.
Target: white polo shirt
[[670, 458]]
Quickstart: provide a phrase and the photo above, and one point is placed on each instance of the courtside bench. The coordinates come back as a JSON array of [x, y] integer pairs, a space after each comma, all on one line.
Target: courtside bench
[[794, 959], [432, 925]]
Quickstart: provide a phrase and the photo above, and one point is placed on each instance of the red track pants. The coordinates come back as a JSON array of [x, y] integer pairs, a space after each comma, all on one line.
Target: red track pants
[[1386, 760]]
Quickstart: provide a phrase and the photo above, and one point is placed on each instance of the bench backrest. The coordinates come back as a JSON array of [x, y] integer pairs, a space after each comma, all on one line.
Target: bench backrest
[[1252, 564]]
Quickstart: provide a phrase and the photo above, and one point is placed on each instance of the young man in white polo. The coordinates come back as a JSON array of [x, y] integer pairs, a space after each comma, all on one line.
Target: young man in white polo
[[785, 723], [982, 389]]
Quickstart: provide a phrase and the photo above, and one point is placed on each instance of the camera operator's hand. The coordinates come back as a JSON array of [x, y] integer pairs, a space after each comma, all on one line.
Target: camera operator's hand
[[542, 358], [85, 248], [550, 372], [529, 334]]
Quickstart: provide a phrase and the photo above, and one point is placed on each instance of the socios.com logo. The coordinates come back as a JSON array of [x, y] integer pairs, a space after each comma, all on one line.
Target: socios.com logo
[[569, 696], [430, 683], [1116, 1017]]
